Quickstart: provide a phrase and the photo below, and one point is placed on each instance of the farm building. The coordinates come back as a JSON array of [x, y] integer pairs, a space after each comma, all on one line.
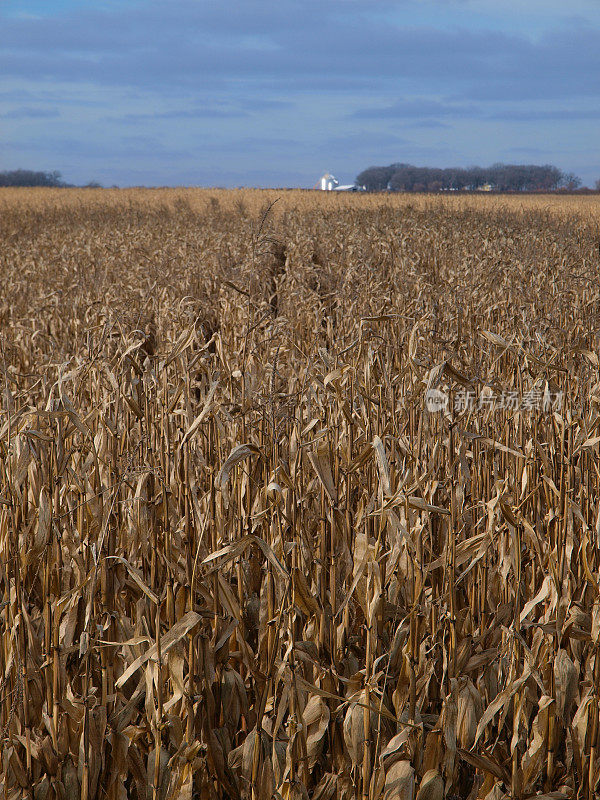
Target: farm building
[[327, 183]]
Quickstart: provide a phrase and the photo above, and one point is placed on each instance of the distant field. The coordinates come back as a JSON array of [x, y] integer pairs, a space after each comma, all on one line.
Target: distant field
[[327, 470], [582, 205]]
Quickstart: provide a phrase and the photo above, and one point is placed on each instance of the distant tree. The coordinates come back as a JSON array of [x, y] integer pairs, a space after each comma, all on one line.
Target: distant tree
[[597, 185], [502, 177], [570, 182], [375, 179], [26, 177]]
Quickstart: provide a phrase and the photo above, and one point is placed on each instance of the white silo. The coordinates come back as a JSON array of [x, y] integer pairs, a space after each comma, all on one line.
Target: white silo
[[328, 182]]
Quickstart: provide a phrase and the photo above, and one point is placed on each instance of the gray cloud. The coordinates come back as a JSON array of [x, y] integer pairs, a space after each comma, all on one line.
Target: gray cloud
[[427, 124], [535, 152], [194, 44], [424, 108], [235, 110], [117, 148], [557, 114], [178, 114], [30, 112]]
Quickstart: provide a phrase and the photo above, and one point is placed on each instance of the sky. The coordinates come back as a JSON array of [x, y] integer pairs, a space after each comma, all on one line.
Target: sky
[[275, 92]]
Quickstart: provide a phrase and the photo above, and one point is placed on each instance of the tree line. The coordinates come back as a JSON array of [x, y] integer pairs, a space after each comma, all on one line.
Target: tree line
[[499, 177], [28, 177]]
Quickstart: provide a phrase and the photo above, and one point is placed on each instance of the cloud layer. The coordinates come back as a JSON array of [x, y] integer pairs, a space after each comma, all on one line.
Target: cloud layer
[[286, 89]]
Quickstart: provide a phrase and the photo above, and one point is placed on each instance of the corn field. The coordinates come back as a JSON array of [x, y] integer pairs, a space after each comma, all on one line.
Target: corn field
[[299, 496]]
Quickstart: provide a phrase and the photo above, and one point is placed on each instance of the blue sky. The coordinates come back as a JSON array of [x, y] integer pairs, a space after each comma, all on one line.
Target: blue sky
[[265, 93]]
